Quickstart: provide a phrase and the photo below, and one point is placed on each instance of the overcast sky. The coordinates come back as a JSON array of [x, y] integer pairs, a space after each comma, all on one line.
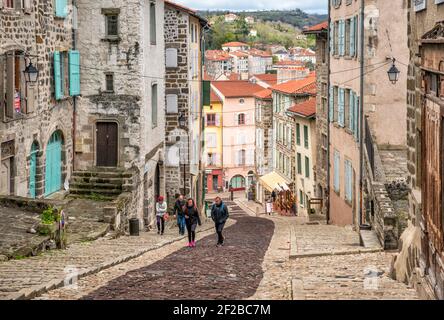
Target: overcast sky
[[312, 6]]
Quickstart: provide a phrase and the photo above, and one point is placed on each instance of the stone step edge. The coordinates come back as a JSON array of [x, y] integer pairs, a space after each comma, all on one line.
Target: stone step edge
[[35, 291], [334, 253]]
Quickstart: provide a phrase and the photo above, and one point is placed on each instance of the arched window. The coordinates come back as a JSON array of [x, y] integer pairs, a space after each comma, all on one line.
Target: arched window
[[238, 182]]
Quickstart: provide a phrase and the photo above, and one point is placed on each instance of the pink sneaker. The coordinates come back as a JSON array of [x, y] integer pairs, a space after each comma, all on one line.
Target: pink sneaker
[[193, 244], [189, 245]]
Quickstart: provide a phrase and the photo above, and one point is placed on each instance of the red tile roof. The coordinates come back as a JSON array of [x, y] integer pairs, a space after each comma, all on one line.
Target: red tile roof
[[306, 85], [323, 26], [235, 44], [264, 94], [214, 97], [260, 53], [237, 89], [271, 79], [305, 109], [217, 55]]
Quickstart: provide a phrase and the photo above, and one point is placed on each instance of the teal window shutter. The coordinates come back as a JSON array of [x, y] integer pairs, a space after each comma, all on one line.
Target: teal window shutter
[[74, 73], [206, 85], [61, 8], [351, 123], [332, 38], [336, 171], [57, 76], [352, 37], [331, 105], [341, 103], [348, 181], [341, 38], [357, 118]]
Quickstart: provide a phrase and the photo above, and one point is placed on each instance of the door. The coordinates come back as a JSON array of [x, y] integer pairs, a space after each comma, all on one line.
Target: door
[[33, 171], [5, 180], [106, 146], [53, 165], [215, 183]]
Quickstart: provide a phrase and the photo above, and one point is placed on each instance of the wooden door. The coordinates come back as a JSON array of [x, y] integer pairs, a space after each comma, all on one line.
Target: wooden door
[[106, 146], [433, 134], [5, 179]]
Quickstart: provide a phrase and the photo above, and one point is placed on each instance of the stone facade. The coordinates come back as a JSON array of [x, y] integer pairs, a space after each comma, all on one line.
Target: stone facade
[[421, 262], [183, 31], [322, 60], [123, 92], [264, 141], [36, 33]]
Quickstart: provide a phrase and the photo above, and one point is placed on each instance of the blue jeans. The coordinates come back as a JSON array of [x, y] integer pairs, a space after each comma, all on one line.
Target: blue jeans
[[181, 224]]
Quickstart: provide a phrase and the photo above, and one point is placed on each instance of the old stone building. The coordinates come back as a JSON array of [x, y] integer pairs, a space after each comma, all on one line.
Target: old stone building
[[264, 140], [320, 31], [37, 117], [183, 41], [421, 261], [120, 126]]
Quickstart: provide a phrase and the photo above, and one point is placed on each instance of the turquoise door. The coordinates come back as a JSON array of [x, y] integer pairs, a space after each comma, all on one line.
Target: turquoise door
[[33, 170], [53, 167]]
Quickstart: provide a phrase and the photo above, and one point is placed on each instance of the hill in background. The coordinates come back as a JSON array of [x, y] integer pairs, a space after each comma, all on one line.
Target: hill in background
[[272, 27]]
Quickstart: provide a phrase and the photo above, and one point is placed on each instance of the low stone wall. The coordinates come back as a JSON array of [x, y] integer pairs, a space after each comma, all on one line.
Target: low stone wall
[[31, 205]]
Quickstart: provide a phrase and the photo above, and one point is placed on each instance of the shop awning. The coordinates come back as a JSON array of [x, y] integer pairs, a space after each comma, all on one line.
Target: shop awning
[[274, 181]]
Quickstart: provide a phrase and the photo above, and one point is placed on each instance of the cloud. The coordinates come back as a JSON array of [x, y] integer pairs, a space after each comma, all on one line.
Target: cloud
[[312, 6]]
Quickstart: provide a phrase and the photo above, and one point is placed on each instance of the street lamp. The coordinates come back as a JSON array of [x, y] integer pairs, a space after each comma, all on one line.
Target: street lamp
[[393, 73], [31, 73], [182, 121]]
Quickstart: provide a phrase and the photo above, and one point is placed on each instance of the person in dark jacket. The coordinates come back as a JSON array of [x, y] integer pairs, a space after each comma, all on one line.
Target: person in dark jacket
[[192, 219], [219, 214], [179, 208]]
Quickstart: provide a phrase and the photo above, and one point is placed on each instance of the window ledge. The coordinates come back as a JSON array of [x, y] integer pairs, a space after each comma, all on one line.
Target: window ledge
[[112, 39]]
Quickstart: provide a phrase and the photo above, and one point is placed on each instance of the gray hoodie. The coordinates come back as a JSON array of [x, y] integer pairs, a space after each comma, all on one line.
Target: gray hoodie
[[161, 209]]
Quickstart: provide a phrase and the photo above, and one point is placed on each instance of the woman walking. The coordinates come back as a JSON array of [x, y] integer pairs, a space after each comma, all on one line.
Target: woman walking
[[192, 219], [161, 210]]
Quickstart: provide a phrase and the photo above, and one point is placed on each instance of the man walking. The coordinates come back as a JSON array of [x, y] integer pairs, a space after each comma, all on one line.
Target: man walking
[[219, 214], [180, 214]]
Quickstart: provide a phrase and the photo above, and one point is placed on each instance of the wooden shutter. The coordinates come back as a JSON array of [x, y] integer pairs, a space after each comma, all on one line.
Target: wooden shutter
[[351, 118], [74, 73], [17, 4], [342, 35], [10, 81], [236, 119], [336, 171], [172, 104], [217, 115], [352, 37], [206, 88], [61, 8], [357, 118], [331, 105], [341, 103], [332, 38]]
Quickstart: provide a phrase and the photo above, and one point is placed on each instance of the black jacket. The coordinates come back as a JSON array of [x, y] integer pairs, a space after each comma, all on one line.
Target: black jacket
[[179, 207], [192, 216], [219, 214]]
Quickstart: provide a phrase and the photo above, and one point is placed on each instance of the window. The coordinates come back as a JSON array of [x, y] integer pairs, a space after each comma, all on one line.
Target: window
[[153, 31], [241, 119], [172, 103], [242, 101], [154, 105], [211, 119], [66, 74], [109, 79], [336, 178], [341, 107], [112, 25], [307, 167], [348, 181], [298, 134], [61, 8], [171, 58], [211, 140], [12, 83], [242, 157], [306, 137], [301, 198], [299, 159], [347, 37]]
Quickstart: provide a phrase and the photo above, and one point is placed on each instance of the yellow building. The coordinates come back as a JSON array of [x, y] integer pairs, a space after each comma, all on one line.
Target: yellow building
[[213, 144]]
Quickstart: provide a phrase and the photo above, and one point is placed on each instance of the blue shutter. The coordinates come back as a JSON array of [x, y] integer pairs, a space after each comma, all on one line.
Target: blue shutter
[[341, 38], [57, 76], [74, 73], [352, 37], [357, 118], [348, 181], [332, 38], [341, 103], [336, 171], [61, 8], [331, 105], [351, 123]]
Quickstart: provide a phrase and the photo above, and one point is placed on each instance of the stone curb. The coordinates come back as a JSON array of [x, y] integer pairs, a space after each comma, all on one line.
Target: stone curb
[[35, 291], [334, 253], [297, 290]]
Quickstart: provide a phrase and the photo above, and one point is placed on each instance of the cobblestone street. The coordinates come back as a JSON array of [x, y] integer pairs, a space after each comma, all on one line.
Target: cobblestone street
[[255, 264]]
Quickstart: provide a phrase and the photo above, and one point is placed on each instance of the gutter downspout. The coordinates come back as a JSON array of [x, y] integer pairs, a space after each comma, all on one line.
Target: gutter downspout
[[362, 115], [74, 98], [328, 115]]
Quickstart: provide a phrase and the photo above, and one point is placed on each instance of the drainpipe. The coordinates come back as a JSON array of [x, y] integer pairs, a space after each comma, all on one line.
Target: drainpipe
[[74, 99], [362, 115], [328, 114]]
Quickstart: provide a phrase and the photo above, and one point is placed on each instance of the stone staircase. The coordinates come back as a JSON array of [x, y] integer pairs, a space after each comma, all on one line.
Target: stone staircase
[[100, 183]]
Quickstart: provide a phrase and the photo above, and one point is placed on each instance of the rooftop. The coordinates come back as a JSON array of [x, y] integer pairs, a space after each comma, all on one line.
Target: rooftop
[[270, 79], [301, 86], [235, 44], [321, 27], [264, 94], [237, 89], [306, 109]]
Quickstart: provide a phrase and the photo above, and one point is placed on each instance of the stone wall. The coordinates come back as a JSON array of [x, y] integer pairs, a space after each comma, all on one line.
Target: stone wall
[[37, 34]]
